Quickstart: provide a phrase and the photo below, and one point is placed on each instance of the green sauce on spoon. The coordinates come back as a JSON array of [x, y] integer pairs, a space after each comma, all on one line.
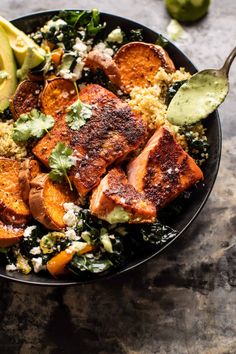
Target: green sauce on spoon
[[200, 95]]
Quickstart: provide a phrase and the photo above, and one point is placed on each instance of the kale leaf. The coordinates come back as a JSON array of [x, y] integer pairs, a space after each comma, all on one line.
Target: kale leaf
[[172, 90], [157, 233]]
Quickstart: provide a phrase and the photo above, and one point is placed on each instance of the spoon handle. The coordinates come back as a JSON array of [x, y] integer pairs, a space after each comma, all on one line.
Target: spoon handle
[[229, 61]]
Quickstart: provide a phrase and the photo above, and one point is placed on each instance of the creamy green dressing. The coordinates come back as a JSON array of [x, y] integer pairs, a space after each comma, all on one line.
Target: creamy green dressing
[[197, 98]]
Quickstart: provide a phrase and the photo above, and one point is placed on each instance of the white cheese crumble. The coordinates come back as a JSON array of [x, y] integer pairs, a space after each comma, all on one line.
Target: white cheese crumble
[[38, 264], [71, 234], [28, 230], [70, 218], [71, 206], [53, 24], [102, 48], [35, 250], [11, 267], [115, 36], [80, 48]]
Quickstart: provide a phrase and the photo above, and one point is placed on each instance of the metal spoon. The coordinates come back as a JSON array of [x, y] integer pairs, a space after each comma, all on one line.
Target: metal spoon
[[200, 95]]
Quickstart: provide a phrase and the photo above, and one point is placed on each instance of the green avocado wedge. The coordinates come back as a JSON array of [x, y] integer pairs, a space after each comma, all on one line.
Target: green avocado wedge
[[7, 70], [20, 44]]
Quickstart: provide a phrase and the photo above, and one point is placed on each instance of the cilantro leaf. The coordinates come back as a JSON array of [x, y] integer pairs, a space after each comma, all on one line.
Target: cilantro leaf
[[77, 114], [60, 161], [31, 125]]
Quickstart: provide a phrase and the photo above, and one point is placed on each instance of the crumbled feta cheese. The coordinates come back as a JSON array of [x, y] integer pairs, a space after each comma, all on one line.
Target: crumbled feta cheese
[[78, 69], [35, 250], [71, 206], [101, 47], [80, 48], [53, 24], [28, 230], [169, 171], [11, 267], [115, 36], [38, 264], [71, 234], [67, 74], [70, 218]]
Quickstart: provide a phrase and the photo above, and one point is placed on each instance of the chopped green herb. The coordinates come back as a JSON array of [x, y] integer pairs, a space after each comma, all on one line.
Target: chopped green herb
[[60, 161], [32, 125], [77, 114]]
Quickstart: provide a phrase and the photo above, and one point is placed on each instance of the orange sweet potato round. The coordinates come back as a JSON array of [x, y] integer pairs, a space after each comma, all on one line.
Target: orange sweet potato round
[[25, 98], [139, 62], [9, 236], [13, 209], [56, 95], [29, 169], [46, 200]]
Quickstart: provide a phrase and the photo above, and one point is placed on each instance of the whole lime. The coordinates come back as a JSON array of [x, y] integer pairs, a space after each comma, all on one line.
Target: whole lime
[[187, 10]]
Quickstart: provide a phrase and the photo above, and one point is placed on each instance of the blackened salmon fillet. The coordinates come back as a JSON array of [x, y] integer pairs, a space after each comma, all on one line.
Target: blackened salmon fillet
[[112, 132], [115, 200], [163, 170]]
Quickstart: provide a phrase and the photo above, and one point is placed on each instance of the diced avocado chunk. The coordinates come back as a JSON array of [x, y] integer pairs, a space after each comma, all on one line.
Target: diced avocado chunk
[[20, 43], [117, 215], [7, 70]]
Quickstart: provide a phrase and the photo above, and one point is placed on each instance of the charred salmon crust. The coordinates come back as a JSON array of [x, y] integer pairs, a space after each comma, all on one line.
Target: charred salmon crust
[[115, 191], [163, 170], [111, 133]]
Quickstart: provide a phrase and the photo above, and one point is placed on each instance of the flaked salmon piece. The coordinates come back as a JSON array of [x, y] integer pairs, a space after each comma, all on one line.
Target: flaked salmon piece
[[163, 170], [112, 132], [116, 201]]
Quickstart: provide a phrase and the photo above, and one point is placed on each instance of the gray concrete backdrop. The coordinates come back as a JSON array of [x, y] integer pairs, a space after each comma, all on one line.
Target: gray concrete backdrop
[[183, 301]]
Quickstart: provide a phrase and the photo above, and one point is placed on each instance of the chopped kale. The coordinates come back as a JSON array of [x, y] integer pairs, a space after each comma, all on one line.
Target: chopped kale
[[135, 35], [162, 41], [6, 114], [173, 89], [157, 233], [87, 264]]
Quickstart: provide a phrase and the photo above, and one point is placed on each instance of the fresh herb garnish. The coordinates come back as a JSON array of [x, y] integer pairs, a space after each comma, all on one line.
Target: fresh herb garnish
[[31, 125], [60, 161], [77, 114]]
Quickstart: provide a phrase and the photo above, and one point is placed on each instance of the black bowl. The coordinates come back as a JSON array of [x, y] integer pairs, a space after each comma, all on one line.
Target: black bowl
[[199, 196]]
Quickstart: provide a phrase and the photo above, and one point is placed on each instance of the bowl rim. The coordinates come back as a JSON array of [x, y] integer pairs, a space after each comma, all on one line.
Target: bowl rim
[[63, 283]]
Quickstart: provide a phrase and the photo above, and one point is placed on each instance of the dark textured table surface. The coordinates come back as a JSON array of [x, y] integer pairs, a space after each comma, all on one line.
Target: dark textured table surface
[[183, 301]]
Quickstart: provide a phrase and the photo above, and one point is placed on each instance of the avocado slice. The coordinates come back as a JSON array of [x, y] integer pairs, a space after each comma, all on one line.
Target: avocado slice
[[20, 44], [7, 70]]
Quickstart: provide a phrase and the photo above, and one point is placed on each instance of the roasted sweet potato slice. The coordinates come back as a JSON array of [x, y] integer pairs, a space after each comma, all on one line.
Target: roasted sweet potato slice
[[9, 235], [97, 60], [29, 169], [25, 98], [46, 200], [139, 62], [56, 95], [13, 209]]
